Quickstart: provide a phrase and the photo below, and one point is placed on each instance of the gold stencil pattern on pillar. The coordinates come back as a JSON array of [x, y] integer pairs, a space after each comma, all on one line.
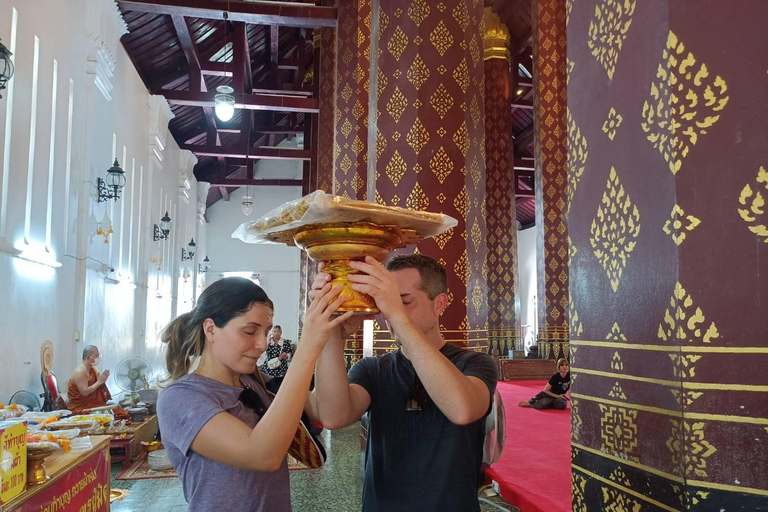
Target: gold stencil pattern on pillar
[[689, 446], [578, 489], [685, 100], [615, 229], [574, 323], [612, 123], [608, 30], [417, 199], [397, 104], [441, 38], [618, 476], [398, 43], [691, 498], [418, 73], [418, 137], [754, 201], [617, 392], [616, 363], [441, 165], [685, 322], [441, 101], [418, 11], [678, 223], [615, 334], [615, 500], [683, 366], [618, 431], [577, 157], [396, 168], [461, 75], [576, 422], [685, 397]]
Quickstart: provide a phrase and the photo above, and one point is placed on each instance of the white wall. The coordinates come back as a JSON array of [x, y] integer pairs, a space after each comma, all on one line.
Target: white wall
[[277, 265], [75, 104], [526, 290]]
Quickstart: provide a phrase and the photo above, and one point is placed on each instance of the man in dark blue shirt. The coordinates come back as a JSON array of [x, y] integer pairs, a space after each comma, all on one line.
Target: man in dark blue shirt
[[427, 401]]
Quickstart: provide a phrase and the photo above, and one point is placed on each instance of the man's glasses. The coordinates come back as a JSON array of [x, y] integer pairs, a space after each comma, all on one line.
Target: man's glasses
[[418, 397], [252, 400]]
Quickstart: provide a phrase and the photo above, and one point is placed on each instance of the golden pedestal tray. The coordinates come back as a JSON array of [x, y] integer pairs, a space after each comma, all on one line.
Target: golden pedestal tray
[[338, 244], [338, 230], [35, 470]]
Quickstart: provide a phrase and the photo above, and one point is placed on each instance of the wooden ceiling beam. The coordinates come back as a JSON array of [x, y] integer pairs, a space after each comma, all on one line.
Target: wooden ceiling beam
[[244, 101], [251, 154], [196, 80], [255, 12], [522, 103], [519, 192], [524, 164], [278, 130]]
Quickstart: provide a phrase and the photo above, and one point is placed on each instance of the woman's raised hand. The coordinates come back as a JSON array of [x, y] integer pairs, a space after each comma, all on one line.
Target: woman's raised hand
[[321, 279], [320, 321]]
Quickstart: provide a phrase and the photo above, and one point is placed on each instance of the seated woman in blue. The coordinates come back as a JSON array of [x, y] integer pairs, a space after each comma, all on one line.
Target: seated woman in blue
[[554, 394], [222, 434]]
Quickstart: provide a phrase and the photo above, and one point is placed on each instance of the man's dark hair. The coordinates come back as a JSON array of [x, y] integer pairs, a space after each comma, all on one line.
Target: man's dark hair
[[434, 280], [88, 350]]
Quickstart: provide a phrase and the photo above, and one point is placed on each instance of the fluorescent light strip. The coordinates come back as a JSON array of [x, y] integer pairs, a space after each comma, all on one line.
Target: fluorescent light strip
[[37, 255], [51, 157], [130, 220], [6, 169], [67, 184], [32, 137], [139, 230]]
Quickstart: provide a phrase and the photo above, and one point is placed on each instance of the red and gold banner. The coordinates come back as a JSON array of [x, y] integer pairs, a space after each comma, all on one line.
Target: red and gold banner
[[84, 488]]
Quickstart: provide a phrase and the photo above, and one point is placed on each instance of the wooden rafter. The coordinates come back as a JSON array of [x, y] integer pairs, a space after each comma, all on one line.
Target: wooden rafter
[[244, 101], [251, 154], [256, 12]]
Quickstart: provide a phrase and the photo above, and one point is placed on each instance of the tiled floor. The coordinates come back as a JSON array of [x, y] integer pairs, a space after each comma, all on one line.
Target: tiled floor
[[337, 487]]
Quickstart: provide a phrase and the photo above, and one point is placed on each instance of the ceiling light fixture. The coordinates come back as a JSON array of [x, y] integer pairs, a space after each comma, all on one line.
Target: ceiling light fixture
[[224, 103]]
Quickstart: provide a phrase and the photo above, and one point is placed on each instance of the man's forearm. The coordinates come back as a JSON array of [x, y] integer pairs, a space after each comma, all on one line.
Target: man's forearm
[[331, 398]]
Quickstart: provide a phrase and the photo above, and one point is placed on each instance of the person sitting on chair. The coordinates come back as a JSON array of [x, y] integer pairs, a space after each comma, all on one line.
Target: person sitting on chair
[[554, 394]]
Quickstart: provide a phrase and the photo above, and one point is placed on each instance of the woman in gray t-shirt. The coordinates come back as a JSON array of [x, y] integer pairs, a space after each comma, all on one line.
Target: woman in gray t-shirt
[[225, 438]]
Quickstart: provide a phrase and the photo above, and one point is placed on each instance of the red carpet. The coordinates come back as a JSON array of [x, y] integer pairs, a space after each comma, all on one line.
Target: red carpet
[[534, 472]]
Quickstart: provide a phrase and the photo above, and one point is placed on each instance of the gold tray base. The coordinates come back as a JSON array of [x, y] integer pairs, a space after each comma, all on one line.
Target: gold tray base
[[338, 244]]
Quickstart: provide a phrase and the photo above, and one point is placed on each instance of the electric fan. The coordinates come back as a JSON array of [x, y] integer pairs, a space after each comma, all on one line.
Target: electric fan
[[27, 399], [132, 374]]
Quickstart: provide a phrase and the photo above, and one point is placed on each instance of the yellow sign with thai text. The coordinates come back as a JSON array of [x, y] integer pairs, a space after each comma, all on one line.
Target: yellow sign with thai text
[[13, 460]]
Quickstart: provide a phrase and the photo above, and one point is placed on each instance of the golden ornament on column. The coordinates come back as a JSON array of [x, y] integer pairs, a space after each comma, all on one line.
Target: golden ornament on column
[[496, 38]]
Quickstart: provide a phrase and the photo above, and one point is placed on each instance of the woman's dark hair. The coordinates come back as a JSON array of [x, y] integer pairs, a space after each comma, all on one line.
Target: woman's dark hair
[[222, 301]]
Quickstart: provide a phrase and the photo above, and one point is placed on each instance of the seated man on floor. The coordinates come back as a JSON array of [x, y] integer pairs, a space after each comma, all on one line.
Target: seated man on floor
[[87, 388]]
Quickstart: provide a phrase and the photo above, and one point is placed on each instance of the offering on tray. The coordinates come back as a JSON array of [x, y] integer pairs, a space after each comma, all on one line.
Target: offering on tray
[[74, 422], [95, 419], [281, 224], [11, 411], [44, 440], [338, 230]]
